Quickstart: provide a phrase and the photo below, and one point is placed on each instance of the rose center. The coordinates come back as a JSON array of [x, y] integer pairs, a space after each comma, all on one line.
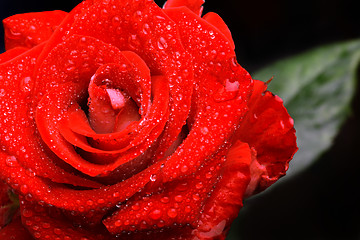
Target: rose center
[[110, 109]]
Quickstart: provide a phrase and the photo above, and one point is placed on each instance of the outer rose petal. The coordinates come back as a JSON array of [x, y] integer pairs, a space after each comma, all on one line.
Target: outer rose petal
[[221, 86], [193, 5], [226, 200], [17, 128], [30, 29], [12, 53], [15, 231], [178, 202], [49, 223], [219, 23], [171, 51], [269, 130]]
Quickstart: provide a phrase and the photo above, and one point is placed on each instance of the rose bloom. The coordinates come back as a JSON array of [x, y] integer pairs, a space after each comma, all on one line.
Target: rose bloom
[[124, 120]]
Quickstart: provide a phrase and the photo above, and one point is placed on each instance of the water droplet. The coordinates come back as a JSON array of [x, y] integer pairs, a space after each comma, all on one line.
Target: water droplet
[[153, 178], [11, 161], [199, 185], [231, 86], [178, 198], [196, 197], [46, 225], [135, 207], [155, 214], [184, 168], [208, 175], [204, 130], [146, 28], [24, 189], [172, 213], [57, 231], [291, 121], [118, 223], [165, 200], [282, 125], [133, 41], [27, 213], [37, 234], [162, 44]]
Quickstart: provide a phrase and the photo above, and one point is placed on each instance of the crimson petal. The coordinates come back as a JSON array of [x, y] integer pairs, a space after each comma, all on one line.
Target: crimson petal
[[43, 190], [177, 202], [12, 53], [30, 29], [15, 231], [22, 139], [226, 200], [142, 27], [193, 5], [47, 223], [221, 87], [269, 131]]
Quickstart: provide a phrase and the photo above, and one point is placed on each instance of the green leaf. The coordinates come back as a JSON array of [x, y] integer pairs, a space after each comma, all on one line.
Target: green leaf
[[317, 88]]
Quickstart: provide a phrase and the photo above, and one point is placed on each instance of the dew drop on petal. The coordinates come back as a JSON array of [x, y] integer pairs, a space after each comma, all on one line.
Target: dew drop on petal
[[165, 200], [153, 178], [118, 223], [11, 161], [178, 198], [204, 130], [27, 213], [57, 231], [184, 168], [172, 213], [155, 214], [162, 44]]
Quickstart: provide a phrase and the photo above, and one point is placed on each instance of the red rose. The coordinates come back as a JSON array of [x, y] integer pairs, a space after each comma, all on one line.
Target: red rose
[[124, 120]]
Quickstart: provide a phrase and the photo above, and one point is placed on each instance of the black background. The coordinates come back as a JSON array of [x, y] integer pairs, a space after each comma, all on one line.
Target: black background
[[323, 201]]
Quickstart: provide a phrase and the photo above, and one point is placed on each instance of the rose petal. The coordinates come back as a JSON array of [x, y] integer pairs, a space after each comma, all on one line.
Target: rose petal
[[142, 27], [82, 201], [60, 32], [12, 53], [18, 131], [226, 200], [30, 29], [193, 5], [48, 117], [49, 223], [177, 202], [15, 230], [221, 87], [269, 130], [215, 20]]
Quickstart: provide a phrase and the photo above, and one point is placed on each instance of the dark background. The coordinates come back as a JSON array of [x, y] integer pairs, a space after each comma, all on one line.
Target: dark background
[[323, 201]]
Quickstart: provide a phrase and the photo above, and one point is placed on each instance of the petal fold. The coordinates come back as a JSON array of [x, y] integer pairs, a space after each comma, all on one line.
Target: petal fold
[[269, 131], [30, 29]]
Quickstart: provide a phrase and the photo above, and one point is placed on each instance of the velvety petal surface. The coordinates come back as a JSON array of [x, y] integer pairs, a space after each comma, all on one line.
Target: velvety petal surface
[[269, 131], [30, 29], [121, 119], [15, 231]]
